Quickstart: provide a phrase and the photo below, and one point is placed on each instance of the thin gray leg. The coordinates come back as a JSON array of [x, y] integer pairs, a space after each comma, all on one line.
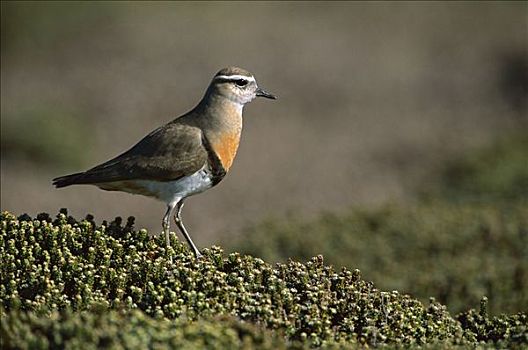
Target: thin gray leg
[[179, 222], [166, 222]]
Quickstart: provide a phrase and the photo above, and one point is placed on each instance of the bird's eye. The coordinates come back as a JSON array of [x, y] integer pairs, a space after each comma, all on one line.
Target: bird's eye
[[241, 82]]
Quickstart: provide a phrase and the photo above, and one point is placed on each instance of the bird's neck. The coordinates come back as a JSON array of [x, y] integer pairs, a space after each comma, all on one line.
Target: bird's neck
[[221, 121], [220, 113]]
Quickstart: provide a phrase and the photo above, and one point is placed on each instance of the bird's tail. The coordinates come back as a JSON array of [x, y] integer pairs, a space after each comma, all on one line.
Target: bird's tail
[[68, 180]]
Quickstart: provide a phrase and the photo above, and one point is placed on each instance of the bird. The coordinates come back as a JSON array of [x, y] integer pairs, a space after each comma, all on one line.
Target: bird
[[186, 156]]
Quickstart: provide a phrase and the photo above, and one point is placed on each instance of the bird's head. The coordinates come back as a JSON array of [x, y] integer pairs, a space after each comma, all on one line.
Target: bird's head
[[237, 85]]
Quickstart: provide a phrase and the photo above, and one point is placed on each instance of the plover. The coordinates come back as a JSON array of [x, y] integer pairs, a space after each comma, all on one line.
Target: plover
[[184, 157]]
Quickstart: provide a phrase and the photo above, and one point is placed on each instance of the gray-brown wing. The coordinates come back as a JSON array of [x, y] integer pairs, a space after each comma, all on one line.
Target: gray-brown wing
[[168, 153]]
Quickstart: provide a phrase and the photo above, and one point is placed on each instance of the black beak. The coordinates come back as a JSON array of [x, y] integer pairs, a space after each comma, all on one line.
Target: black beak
[[262, 93]]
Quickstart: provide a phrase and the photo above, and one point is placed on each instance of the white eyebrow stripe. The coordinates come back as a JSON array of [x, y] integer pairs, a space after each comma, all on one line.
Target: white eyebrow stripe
[[234, 77]]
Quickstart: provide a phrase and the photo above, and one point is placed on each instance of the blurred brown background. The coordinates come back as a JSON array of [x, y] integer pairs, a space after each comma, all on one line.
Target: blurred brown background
[[373, 97]]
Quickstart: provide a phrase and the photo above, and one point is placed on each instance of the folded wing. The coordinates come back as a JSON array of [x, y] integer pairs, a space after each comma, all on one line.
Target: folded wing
[[168, 153]]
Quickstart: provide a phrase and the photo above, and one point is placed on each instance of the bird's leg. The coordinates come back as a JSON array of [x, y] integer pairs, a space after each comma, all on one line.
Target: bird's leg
[[166, 225], [179, 222]]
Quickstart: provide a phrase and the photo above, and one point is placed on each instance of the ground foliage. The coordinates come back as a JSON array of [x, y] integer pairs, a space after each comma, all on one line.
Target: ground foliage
[[455, 252], [61, 269], [465, 236]]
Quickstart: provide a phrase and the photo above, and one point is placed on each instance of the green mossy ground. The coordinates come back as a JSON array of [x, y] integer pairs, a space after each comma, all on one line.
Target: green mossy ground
[[465, 236], [452, 251], [60, 274]]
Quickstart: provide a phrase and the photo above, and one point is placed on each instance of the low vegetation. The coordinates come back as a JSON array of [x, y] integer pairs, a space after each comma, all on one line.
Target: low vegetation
[[465, 237], [454, 252], [68, 271], [132, 329]]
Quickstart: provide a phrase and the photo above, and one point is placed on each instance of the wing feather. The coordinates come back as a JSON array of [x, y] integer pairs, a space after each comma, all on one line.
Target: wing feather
[[168, 153]]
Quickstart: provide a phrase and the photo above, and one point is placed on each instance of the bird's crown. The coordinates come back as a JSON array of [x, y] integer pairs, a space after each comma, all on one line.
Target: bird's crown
[[233, 73]]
